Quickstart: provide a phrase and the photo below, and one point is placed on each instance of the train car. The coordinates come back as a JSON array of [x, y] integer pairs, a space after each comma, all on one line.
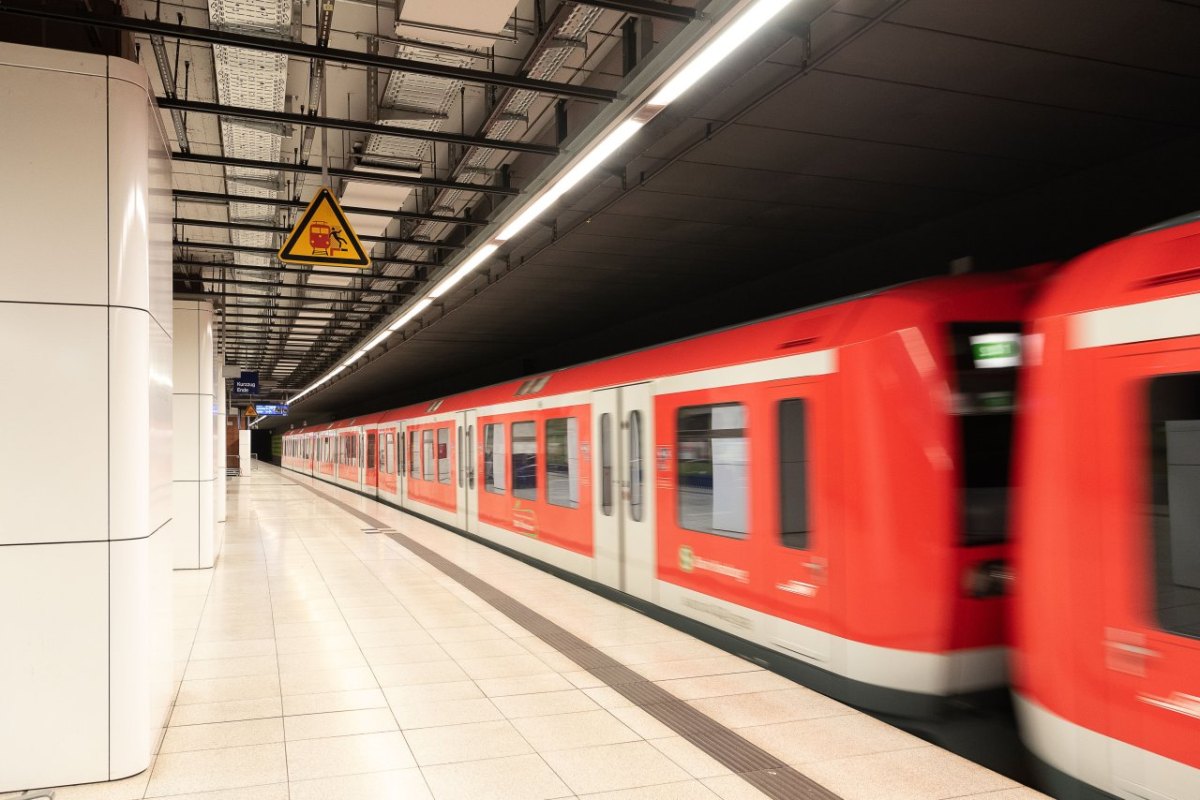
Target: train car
[[828, 485], [298, 450], [1107, 597]]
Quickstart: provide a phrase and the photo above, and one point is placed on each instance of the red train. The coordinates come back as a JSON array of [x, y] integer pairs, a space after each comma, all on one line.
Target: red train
[[832, 487]]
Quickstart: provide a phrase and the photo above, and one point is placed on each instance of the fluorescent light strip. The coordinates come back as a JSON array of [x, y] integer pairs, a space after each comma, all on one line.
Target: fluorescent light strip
[[745, 26], [420, 306], [464, 269], [729, 40]]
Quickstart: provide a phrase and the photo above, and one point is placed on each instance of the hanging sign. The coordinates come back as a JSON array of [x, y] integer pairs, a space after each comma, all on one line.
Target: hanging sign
[[246, 384], [323, 237]]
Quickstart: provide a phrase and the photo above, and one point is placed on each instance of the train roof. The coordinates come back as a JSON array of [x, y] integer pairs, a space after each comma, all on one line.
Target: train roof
[[809, 329], [1156, 263]]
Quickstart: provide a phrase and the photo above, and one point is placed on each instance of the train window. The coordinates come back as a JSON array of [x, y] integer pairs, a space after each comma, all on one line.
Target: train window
[[468, 456], [443, 455], [606, 465], [460, 456], [385, 454], [524, 460], [370, 451], [986, 357], [793, 475], [427, 463], [414, 454], [562, 462], [636, 477], [1175, 501], [399, 452], [713, 469], [493, 459]]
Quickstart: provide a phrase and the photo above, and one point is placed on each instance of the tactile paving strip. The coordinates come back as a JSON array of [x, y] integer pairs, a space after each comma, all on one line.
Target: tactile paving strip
[[756, 766]]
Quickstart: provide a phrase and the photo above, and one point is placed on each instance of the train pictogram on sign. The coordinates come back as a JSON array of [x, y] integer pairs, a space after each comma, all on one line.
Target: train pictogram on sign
[[323, 237]]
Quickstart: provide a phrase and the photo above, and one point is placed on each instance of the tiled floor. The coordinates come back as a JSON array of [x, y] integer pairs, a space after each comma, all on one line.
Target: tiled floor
[[317, 661]]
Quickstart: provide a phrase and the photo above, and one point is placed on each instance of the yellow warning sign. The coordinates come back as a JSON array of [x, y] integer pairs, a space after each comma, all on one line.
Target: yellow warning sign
[[323, 237]]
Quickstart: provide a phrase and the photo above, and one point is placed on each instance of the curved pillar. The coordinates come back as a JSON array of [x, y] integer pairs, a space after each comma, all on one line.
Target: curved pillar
[[219, 482], [194, 481], [85, 319]]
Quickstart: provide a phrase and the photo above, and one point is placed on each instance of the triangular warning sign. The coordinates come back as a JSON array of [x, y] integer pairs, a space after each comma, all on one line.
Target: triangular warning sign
[[323, 237]]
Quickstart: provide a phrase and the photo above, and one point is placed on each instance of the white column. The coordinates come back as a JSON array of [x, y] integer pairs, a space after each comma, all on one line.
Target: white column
[[85, 498], [219, 482], [195, 544]]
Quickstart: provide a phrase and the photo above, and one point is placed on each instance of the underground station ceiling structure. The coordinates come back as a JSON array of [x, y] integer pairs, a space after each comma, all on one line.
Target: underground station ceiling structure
[[847, 145]]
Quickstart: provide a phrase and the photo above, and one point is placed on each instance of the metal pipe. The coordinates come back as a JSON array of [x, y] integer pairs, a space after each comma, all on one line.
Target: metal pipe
[[253, 226], [217, 197], [309, 287], [374, 177], [270, 251], [302, 50], [648, 8], [374, 276]]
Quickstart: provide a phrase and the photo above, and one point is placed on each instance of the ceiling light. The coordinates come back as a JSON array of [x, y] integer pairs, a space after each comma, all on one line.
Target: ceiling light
[[606, 147], [351, 360], [378, 340], [420, 306], [716, 51], [463, 269]]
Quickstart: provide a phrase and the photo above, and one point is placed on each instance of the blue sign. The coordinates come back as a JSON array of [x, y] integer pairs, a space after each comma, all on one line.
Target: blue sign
[[247, 384], [269, 410]]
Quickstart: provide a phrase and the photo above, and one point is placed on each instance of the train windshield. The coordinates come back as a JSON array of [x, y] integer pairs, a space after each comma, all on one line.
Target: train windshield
[[986, 357]]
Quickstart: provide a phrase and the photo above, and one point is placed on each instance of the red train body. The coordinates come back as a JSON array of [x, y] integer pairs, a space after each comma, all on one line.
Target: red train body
[[832, 486]]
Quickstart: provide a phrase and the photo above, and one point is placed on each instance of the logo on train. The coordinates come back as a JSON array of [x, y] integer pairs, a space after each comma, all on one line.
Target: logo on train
[[687, 561]]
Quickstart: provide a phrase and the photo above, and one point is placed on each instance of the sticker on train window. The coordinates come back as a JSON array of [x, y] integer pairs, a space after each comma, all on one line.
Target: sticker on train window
[[996, 350]]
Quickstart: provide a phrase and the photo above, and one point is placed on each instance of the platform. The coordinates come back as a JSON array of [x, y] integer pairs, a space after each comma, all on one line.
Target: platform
[[320, 659]]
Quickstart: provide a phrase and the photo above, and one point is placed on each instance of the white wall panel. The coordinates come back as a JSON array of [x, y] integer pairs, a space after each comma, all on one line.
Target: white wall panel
[[129, 675], [44, 58], [161, 425], [186, 338], [128, 196], [128, 431], [208, 546], [185, 524], [62, 349], [54, 669], [57, 170], [186, 447]]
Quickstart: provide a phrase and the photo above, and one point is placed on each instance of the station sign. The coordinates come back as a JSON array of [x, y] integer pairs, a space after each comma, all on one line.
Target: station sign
[[323, 237], [271, 409], [246, 384]]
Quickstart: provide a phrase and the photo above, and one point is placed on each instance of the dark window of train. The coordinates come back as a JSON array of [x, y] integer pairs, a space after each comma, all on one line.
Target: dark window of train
[[713, 469], [524, 460], [793, 474], [986, 357], [636, 477], [1175, 501], [414, 454], [493, 459], [427, 463], [443, 455], [562, 462], [606, 465], [460, 456], [371, 451]]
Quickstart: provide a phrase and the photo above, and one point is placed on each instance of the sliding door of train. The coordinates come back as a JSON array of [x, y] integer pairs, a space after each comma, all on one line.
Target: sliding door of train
[[622, 445], [1148, 470], [798, 590], [466, 510]]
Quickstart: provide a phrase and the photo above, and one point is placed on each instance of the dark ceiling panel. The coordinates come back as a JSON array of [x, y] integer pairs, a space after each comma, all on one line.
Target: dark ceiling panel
[[1147, 33], [865, 109], [649, 203], [927, 58], [777, 187], [826, 156]]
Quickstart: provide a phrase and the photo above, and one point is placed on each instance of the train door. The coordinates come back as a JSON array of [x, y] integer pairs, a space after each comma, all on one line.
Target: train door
[[370, 473], [467, 512], [622, 444], [401, 462], [1150, 490], [798, 591]]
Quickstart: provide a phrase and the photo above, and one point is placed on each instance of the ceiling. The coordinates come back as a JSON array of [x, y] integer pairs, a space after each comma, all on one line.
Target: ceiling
[[848, 145], [853, 145]]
